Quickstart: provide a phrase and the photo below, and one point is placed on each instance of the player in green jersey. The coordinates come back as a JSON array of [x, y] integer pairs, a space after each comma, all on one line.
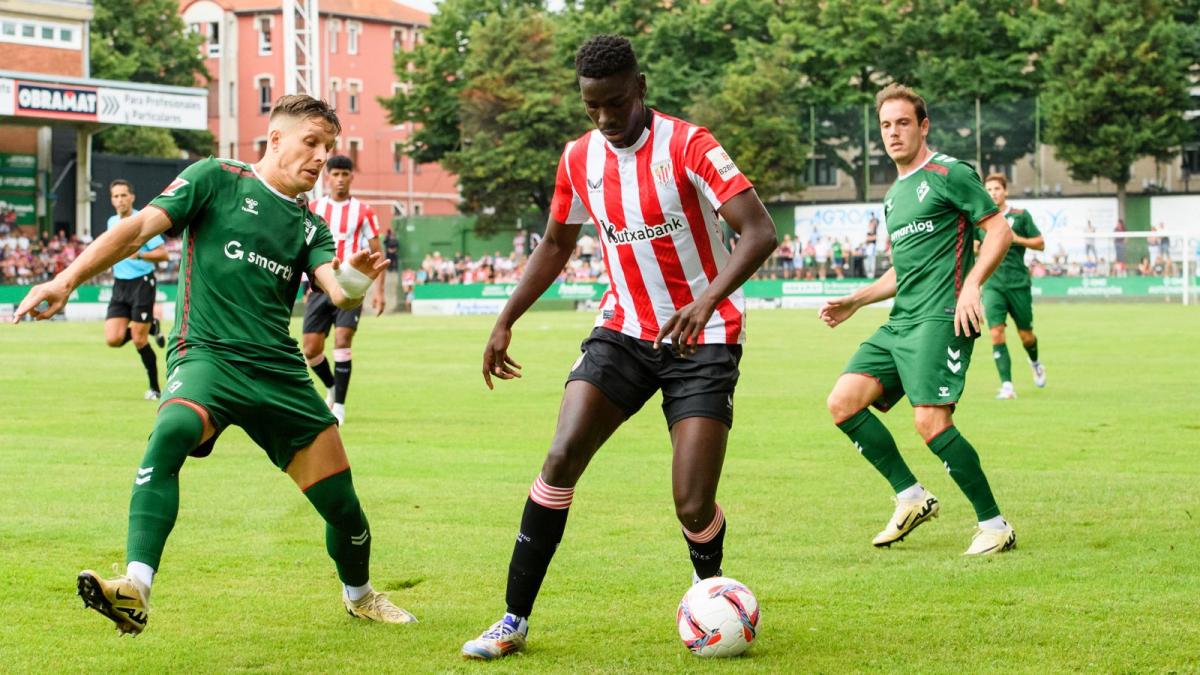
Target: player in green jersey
[[1008, 290], [248, 236], [924, 349]]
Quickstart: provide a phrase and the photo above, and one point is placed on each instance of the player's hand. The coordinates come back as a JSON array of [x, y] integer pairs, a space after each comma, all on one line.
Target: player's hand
[[685, 326], [837, 311], [370, 264], [54, 293], [496, 360], [968, 313], [378, 303]]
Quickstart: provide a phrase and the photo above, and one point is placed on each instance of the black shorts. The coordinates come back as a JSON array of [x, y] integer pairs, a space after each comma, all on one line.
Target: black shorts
[[133, 299], [628, 371], [320, 313]]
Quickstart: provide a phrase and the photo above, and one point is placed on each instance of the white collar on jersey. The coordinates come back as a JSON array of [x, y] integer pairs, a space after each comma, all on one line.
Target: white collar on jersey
[[636, 146], [922, 166], [1007, 208], [290, 200]]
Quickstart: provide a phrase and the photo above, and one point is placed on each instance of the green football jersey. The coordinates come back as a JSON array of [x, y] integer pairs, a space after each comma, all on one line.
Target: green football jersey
[[245, 247], [1012, 272], [931, 213]]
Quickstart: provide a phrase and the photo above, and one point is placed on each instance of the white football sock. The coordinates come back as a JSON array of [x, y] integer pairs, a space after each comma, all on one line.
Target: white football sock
[[997, 523], [914, 491], [142, 573], [356, 593]]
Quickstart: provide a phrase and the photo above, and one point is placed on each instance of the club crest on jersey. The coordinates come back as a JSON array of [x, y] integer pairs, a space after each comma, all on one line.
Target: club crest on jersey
[[251, 206], [309, 230], [175, 185], [662, 172], [922, 190], [722, 162]]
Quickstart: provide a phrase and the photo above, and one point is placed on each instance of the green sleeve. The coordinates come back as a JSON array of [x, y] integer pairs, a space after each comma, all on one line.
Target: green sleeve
[[321, 250], [1028, 229], [967, 194], [978, 233], [186, 196]]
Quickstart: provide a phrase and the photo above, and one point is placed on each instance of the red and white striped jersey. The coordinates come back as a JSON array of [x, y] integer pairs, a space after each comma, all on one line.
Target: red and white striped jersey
[[654, 204], [352, 223]]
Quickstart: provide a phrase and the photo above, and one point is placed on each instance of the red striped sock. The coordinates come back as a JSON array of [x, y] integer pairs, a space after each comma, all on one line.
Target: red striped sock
[[707, 534], [549, 496]]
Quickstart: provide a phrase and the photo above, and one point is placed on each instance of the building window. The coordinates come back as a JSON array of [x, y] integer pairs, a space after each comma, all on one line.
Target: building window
[[335, 27], [334, 85], [214, 38], [399, 35], [824, 172], [264, 35], [398, 156], [418, 208], [883, 170], [261, 146], [418, 36], [355, 145], [40, 33], [264, 94], [353, 29], [232, 99], [353, 88]]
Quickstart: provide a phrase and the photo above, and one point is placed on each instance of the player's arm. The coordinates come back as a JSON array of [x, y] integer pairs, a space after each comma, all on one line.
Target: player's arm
[[757, 240], [1036, 241], [118, 243], [547, 260], [347, 282], [155, 255], [968, 314], [838, 310], [379, 300]]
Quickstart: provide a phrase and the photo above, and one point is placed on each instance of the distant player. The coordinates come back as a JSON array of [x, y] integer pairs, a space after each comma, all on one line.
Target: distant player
[[673, 318], [130, 316], [1008, 291], [351, 222], [923, 350], [249, 236]]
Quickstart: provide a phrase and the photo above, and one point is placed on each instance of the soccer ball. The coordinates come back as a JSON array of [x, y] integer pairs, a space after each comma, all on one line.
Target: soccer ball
[[717, 617]]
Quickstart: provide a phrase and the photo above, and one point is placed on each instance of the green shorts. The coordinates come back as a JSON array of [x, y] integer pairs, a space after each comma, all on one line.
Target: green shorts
[[926, 362], [1000, 302], [279, 409]]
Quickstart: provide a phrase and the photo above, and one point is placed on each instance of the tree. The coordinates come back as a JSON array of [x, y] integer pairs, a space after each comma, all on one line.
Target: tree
[[147, 41], [517, 107], [1115, 91]]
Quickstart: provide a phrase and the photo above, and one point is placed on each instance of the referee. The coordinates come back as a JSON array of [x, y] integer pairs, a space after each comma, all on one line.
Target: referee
[[131, 310]]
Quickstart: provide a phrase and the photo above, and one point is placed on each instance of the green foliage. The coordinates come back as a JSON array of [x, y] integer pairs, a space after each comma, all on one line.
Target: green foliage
[[1115, 90], [147, 41]]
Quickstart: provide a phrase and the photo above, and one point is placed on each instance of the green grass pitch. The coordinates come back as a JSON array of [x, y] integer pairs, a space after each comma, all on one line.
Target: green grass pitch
[[1098, 473]]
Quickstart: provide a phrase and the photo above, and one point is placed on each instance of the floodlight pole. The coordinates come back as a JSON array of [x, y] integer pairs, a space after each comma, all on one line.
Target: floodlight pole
[[302, 53]]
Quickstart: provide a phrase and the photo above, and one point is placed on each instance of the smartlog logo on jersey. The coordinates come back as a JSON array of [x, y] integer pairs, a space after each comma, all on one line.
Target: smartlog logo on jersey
[[233, 251]]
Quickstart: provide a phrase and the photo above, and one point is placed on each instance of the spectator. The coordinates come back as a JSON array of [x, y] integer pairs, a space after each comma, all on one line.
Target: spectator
[[786, 255], [1119, 243], [1089, 244], [391, 248], [869, 246]]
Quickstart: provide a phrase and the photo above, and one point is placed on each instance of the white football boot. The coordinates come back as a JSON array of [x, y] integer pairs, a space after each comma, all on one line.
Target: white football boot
[[1039, 373], [1006, 393], [989, 541], [506, 636], [908, 515]]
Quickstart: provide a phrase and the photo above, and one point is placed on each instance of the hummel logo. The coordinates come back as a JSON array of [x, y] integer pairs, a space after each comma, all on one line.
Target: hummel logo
[[144, 475], [953, 354], [887, 206], [947, 465], [860, 448], [954, 366], [360, 539], [250, 206], [943, 391]]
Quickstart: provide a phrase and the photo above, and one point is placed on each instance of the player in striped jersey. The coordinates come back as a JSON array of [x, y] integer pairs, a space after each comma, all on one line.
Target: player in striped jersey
[[351, 222], [654, 185]]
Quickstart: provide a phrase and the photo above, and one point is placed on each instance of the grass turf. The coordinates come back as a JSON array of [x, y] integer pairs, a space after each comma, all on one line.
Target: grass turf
[[1097, 472]]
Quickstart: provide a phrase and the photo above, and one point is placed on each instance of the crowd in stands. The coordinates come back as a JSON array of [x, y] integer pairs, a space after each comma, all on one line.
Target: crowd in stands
[[31, 259]]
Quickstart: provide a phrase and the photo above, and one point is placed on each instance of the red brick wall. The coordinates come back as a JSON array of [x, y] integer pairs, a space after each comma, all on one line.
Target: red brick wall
[[18, 139], [46, 60]]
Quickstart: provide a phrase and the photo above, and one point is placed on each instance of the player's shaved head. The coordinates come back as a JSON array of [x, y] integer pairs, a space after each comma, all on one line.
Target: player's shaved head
[[289, 110]]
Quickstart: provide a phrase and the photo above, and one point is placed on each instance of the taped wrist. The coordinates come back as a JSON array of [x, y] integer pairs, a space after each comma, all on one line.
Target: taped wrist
[[354, 284]]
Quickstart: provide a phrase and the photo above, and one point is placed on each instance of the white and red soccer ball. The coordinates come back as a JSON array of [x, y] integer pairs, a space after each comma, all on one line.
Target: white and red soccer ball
[[717, 617]]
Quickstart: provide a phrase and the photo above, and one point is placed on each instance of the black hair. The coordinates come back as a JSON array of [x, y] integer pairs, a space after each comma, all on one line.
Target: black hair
[[339, 162], [604, 55]]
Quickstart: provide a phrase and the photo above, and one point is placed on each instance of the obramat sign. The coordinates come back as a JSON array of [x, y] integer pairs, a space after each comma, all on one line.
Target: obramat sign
[[45, 100]]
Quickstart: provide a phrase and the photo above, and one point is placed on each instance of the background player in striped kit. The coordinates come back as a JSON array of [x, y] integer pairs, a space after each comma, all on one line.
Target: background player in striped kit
[[654, 186], [351, 222]]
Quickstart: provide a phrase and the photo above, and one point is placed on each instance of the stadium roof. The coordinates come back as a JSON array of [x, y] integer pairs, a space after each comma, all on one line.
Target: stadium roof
[[387, 11]]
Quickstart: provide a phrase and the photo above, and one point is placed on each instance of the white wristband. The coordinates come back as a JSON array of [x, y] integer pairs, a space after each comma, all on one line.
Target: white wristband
[[354, 283]]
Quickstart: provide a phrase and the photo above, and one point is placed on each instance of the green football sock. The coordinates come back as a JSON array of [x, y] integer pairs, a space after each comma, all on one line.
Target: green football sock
[[1031, 349], [1003, 362], [876, 444], [347, 535], [962, 463], [155, 500]]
